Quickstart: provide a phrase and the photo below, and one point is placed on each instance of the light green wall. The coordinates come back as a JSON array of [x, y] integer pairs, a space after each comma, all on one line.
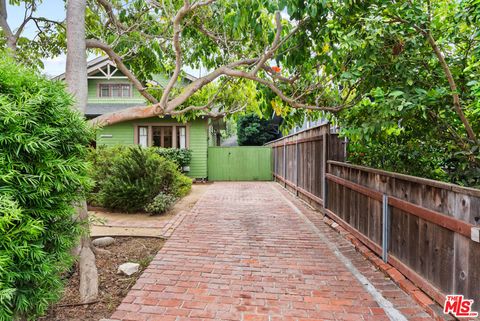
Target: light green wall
[[93, 92], [123, 134]]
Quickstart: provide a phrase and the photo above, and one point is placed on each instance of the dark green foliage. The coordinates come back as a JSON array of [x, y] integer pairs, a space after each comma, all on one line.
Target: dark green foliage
[[129, 178], [161, 203], [42, 172], [181, 157], [255, 131]]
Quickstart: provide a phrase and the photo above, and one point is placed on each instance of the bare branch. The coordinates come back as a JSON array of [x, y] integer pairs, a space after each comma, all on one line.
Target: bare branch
[[108, 7], [207, 106], [292, 102], [177, 30], [93, 43], [269, 53]]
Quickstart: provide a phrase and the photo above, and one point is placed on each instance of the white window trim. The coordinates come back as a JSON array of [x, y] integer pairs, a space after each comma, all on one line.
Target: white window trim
[[166, 124], [99, 85]]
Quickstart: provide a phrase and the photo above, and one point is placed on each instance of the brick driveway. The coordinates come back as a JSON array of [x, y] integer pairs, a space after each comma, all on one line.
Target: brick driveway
[[245, 253]]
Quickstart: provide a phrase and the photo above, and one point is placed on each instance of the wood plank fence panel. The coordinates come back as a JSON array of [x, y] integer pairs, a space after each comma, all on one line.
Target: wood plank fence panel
[[430, 224], [429, 240]]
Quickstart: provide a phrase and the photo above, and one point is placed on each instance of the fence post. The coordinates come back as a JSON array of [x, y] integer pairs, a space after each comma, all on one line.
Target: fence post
[[296, 166], [323, 182], [285, 163], [386, 227]]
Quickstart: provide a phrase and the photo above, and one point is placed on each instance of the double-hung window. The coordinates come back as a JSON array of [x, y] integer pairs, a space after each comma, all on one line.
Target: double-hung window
[[115, 91]]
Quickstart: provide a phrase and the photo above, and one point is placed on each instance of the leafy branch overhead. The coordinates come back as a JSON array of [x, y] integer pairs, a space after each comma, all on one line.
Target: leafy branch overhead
[[209, 35], [392, 61]]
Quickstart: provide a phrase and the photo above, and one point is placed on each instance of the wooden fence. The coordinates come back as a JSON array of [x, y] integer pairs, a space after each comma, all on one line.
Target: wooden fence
[[421, 227], [299, 161]]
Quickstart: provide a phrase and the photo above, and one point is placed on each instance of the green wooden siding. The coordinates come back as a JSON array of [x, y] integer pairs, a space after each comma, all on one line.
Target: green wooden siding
[[123, 134], [93, 92], [241, 163]]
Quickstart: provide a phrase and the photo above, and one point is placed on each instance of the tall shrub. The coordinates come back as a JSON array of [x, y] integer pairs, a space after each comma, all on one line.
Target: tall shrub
[[135, 179], [42, 173]]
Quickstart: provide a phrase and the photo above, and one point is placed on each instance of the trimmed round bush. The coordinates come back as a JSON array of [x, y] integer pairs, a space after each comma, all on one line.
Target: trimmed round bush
[[43, 172]]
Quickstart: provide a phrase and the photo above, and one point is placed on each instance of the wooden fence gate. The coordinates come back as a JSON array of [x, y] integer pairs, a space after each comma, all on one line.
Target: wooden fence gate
[[240, 163]]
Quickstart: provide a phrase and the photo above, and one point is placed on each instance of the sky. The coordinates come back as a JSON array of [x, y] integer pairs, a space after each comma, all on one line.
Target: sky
[[55, 10], [51, 9]]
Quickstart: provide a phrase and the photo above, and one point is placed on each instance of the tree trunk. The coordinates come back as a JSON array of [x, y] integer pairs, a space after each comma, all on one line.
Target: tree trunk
[[76, 78]]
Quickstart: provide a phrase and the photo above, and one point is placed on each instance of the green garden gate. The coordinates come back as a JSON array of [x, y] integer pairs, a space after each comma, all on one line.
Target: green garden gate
[[241, 163]]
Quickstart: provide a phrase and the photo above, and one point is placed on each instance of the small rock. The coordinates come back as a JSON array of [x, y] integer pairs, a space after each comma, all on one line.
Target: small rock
[[128, 268], [103, 241]]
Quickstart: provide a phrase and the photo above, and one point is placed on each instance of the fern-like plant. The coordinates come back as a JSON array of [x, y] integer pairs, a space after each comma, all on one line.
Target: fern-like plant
[[135, 179]]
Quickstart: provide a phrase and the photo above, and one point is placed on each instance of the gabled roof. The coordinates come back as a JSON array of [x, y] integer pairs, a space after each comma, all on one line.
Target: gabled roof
[[97, 65]]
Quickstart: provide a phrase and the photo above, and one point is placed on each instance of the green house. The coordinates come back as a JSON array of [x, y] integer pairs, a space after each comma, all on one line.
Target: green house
[[109, 90]]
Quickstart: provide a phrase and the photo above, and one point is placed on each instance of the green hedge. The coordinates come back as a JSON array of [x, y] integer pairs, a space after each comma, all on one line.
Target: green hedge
[[42, 173]]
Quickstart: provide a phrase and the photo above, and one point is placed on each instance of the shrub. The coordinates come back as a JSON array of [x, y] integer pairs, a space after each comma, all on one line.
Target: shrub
[[101, 159], [181, 157], [181, 185], [161, 203], [42, 173], [135, 179]]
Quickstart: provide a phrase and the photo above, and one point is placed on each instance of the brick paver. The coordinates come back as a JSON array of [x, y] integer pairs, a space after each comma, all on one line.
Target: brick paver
[[243, 253]]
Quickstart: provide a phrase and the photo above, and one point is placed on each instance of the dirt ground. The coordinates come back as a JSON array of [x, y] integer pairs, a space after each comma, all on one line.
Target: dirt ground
[[137, 239], [113, 286], [141, 224]]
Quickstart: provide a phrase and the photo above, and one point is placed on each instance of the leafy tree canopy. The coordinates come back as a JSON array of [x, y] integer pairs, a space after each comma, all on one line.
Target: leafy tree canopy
[[255, 131], [400, 77]]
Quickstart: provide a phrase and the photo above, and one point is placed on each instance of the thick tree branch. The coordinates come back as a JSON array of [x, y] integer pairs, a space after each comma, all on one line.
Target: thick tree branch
[[177, 30], [93, 43], [10, 37]]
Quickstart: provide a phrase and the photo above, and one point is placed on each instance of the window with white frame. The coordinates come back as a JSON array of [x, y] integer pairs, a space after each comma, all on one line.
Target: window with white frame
[[160, 135], [115, 91]]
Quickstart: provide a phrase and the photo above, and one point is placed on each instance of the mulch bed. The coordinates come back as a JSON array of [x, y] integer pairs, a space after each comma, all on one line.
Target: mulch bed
[[113, 287]]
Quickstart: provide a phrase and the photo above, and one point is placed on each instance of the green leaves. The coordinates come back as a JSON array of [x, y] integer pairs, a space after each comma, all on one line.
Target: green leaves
[[42, 172]]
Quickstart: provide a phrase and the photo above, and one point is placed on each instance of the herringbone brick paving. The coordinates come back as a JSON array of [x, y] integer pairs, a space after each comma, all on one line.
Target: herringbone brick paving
[[242, 253]]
